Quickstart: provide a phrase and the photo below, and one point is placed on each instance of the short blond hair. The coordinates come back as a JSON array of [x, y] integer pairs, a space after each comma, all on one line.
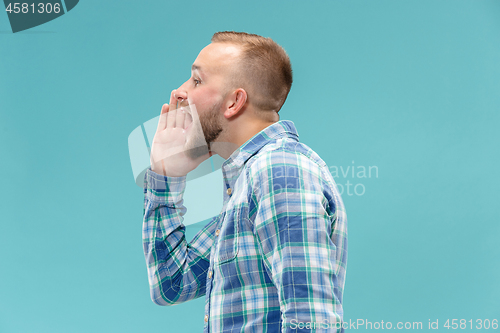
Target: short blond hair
[[264, 69]]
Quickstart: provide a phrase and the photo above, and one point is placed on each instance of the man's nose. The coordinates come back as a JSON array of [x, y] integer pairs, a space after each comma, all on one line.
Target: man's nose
[[180, 94]]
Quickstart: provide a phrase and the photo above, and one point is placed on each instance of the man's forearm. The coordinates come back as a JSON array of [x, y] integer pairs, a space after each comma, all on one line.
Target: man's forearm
[[175, 271]]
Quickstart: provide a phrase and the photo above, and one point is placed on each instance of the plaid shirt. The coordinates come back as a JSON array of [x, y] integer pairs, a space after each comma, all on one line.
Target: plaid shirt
[[273, 260]]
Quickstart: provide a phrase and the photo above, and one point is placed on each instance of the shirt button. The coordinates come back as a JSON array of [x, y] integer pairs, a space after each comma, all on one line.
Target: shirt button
[[217, 232], [209, 274], [206, 318], [229, 191]]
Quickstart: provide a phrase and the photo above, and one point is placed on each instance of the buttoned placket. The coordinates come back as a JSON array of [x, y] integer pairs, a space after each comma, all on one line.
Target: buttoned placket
[[211, 273], [213, 251]]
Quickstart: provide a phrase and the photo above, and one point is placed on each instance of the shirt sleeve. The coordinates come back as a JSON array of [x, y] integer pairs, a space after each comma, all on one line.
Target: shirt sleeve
[[176, 269], [294, 224]]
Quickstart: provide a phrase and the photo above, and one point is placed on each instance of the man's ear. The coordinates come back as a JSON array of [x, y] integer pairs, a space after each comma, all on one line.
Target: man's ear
[[235, 103]]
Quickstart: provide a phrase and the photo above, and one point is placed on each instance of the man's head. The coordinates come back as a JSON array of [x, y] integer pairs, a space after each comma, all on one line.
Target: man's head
[[263, 69], [238, 73]]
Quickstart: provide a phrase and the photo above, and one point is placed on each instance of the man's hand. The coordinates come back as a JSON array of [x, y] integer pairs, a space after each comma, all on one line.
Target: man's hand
[[175, 136]]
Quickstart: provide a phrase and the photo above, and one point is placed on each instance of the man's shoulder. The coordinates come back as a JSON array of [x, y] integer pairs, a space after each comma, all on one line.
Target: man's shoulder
[[285, 155]]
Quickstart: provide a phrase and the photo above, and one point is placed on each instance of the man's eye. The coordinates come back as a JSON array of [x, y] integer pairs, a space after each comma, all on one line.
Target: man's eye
[[196, 82]]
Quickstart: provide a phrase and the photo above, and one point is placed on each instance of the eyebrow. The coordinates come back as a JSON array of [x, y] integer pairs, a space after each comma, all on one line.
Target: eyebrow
[[200, 71]]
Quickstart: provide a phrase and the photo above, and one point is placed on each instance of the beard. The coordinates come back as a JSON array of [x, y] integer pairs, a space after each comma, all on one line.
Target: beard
[[204, 132]]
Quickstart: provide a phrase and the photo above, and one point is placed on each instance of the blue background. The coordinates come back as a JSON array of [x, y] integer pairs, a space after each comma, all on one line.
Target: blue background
[[411, 87]]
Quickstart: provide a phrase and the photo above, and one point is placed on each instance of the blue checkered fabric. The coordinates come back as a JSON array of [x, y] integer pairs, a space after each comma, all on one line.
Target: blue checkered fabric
[[273, 260]]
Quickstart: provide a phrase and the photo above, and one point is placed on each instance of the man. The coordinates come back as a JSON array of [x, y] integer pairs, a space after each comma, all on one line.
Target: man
[[274, 259]]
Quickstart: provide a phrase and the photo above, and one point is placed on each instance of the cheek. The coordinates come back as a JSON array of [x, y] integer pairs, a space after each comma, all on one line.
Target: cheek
[[204, 98]]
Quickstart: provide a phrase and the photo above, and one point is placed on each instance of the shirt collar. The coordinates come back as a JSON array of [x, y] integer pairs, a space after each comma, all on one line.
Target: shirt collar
[[282, 128]]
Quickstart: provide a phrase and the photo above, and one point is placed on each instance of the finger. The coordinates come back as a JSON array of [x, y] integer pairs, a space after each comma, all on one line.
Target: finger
[[179, 120], [171, 110], [187, 120], [173, 100], [162, 122], [193, 114], [171, 115]]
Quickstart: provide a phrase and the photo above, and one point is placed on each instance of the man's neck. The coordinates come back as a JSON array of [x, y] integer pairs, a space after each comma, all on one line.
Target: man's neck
[[227, 144]]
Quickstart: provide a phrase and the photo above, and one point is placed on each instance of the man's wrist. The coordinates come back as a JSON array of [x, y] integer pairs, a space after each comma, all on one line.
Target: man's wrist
[[160, 170], [161, 188]]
